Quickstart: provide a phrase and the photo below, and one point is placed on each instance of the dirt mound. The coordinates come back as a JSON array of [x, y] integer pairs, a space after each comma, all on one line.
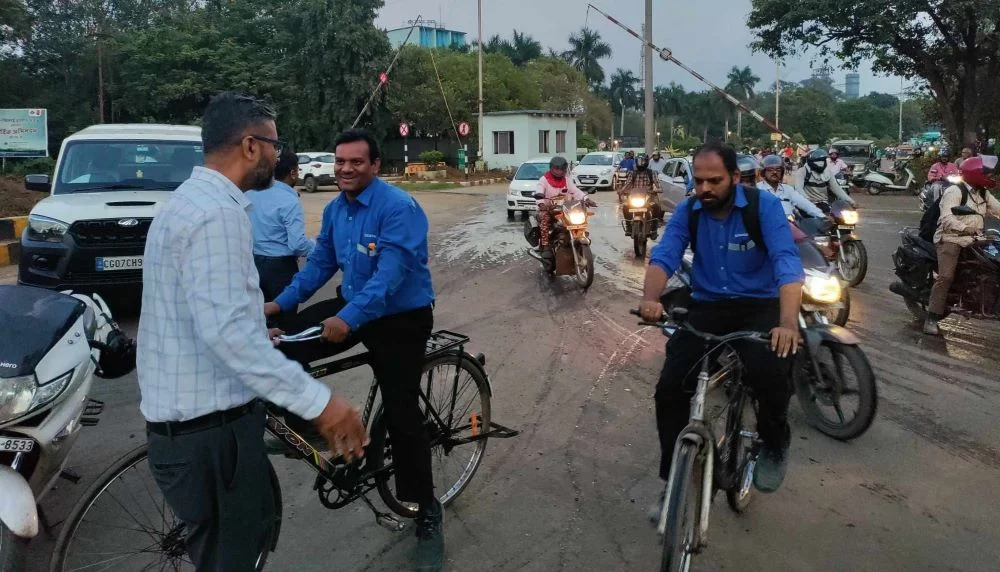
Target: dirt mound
[[14, 199]]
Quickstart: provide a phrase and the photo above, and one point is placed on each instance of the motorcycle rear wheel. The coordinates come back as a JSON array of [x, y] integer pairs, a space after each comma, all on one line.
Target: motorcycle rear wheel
[[873, 189]]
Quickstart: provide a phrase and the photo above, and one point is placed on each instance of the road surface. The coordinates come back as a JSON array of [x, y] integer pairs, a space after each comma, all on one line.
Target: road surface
[[575, 374]]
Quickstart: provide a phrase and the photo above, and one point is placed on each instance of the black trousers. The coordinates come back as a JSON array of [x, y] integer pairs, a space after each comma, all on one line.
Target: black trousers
[[766, 373], [218, 482], [276, 273], [397, 344]]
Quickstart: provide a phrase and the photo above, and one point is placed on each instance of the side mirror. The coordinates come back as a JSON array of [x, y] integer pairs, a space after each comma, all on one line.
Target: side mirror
[[539, 196], [40, 183], [510, 177], [963, 210]]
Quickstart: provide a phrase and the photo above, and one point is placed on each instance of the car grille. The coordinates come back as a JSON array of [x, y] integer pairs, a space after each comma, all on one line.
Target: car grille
[[109, 232], [113, 277], [527, 193]]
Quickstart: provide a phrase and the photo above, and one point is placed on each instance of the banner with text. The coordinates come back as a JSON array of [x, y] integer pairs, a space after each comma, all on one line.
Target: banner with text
[[24, 133]]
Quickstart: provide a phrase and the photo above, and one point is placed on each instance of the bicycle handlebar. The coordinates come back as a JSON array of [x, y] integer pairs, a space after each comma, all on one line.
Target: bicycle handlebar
[[313, 333], [751, 335]]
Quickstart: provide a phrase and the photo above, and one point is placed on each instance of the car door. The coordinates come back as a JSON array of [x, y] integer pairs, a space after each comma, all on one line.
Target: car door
[[673, 183]]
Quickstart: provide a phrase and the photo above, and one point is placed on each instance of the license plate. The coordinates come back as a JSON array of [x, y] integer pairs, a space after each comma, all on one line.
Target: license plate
[[845, 227], [8, 444], [111, 263], [637, 210]]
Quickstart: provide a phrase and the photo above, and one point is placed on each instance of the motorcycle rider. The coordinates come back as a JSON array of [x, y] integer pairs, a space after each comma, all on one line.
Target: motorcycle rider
[[628, 163], [837, 165], [642, 179], [955, 232], [749, 168], [943, 167], [773, 168], [818, 182], [554, 185]]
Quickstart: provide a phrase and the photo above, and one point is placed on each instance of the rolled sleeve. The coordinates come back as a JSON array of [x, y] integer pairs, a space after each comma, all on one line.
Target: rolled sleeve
[[667, 254], [781, 247], [214, 278], [319, 269]]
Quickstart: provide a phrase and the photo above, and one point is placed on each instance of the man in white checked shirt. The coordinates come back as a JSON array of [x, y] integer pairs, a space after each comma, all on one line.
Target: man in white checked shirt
[[204, 355]]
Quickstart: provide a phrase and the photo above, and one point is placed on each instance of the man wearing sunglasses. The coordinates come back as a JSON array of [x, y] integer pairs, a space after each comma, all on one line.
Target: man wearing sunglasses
[[204, 358]]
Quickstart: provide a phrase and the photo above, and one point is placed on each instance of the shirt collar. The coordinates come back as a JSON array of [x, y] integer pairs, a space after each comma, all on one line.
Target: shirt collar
[[740, 202], [365, 196], [281, 185], [220, 181]]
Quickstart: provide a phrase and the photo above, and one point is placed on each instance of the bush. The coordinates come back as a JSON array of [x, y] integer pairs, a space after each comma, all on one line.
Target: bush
[[22, 167], [432, 157], [586, 140]]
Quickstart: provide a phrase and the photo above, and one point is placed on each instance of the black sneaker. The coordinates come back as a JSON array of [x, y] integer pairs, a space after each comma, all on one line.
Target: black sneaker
[[770, 470], [430, 538]]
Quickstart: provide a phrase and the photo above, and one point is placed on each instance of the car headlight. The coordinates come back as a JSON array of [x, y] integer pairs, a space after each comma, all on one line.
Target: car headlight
[[606, 172], [849, 217], [576, 217], [22, 395], [46, 229], [824, 289], [637, 201]]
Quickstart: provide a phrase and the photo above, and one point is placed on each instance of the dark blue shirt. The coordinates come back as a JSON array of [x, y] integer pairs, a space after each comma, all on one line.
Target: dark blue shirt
[[379, 242], [728, 264], [627, 164]]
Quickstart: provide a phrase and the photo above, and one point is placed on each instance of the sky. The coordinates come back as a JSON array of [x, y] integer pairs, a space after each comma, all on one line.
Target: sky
[[709, 36]]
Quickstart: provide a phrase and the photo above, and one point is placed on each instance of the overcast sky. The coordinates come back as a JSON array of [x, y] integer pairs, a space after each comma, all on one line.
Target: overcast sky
[[710, 36]]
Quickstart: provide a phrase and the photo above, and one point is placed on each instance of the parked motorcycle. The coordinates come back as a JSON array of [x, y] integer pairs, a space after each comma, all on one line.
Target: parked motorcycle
[[975, 293], [903, 180], [829, 353], [51, 346], [642, 225], [569, 240], [839, 242]]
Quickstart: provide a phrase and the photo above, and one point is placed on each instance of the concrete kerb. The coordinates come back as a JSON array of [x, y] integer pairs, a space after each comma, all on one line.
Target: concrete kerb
[[10, 243]]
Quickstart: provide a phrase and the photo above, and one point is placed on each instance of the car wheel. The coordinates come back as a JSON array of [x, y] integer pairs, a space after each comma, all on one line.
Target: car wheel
[[510, 214]]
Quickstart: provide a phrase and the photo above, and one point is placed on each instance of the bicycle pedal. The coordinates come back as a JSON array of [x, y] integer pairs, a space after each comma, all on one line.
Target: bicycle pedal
[[389, 522]]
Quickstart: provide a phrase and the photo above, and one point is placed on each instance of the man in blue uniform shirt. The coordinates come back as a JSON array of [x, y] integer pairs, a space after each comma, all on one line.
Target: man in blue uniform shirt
[[739, 283], [376, 235]]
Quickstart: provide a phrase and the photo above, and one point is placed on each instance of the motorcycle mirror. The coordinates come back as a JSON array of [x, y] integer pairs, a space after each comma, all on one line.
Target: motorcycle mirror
[[963, 210], [539, 196]]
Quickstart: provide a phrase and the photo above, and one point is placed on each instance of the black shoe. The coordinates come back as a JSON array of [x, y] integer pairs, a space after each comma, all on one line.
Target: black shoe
[[770, 470], [430, 538]]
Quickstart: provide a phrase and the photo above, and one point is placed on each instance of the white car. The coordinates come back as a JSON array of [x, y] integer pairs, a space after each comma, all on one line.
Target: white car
[[523, 183], [596, 171], [109, 182], [316, 169]]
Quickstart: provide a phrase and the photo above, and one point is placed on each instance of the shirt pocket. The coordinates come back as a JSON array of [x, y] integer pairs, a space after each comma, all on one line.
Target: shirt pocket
[[744, 256], [364, 259]]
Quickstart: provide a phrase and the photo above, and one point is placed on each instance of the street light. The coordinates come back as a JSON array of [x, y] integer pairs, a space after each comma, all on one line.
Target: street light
[[657, 139]]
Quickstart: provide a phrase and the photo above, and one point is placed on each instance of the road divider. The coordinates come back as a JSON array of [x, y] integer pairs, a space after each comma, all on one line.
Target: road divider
[[10, 239]]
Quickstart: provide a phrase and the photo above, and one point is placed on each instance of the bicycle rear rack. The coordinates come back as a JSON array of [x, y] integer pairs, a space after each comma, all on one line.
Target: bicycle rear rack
[[442, 341]]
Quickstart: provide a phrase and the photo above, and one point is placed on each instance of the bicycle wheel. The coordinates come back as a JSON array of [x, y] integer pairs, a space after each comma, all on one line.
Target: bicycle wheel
[[740, 451], [123, 522], [459, 394], [684, 506], [847, 378]]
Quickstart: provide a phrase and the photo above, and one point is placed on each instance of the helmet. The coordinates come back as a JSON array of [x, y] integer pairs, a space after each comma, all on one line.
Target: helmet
[[833, 151], [117, 355], [817, 160], [944, 155], [980, 171], [642, 161], [773, 162], [748, 167], [558, 163]]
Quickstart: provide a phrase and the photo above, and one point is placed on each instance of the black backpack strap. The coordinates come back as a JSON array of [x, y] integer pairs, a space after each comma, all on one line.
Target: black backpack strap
[[693, 218]]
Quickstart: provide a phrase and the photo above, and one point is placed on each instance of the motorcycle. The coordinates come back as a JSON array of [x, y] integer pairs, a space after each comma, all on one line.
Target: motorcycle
[[933, 190], [828, 352], [975, 293], [619, 179], [641, 224], [839, 242], [903, 180], [51, 347], [569, 239], [824, 299]]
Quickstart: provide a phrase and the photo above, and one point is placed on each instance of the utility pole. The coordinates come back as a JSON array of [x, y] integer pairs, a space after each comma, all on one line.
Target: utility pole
[[648, 63], [480, 129], [777, 94], [622, 130], [901, 110]]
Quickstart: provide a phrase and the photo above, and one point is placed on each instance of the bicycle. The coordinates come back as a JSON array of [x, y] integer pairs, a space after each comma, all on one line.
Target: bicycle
[[161, 536], [707, 460]]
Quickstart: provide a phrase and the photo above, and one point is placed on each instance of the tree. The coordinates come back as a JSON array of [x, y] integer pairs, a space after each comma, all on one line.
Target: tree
[[524, 49], [585, 54], [623, 91], [742, 81], [15, 23], [953, 46]]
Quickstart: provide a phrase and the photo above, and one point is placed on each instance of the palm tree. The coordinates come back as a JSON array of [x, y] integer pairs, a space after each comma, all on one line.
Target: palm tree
[[742, 81], [623, 90], [586, 50], [524, 48], [497, 45]]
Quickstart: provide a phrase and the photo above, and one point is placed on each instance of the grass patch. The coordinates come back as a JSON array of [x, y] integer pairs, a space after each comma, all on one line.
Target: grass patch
[[413, 187]]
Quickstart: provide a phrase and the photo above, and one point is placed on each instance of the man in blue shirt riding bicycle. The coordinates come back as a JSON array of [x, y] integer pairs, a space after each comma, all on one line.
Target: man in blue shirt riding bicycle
[[743, 279], [376, 235]]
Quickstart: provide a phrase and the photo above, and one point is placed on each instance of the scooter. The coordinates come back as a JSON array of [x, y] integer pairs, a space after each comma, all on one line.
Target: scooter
[[569, 240], [51, 347], [904, 180]]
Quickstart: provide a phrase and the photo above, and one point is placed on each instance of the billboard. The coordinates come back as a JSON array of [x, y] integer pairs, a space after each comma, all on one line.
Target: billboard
[[24, 133]]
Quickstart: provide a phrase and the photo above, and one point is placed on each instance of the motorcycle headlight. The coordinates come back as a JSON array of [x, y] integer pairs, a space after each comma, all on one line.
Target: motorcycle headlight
[[637, 201], [824, 289], [849, 217], [46, 229], [577, 216], [954, 179], [22, 395]]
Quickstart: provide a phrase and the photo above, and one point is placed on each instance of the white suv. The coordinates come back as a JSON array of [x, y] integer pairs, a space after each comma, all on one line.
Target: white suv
[[523, 183], [316, 170], [109, 182]]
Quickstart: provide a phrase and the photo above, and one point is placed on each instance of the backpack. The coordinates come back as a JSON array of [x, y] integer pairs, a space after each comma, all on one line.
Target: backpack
[[929, 221], [751, 219]]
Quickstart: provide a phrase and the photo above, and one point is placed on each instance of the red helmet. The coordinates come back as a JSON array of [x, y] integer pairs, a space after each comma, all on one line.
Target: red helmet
[[980, 171]]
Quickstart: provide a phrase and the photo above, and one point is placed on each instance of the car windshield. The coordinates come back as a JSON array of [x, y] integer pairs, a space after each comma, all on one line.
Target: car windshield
[[531, 171], [852, 151], [594, 159], [93, 166]]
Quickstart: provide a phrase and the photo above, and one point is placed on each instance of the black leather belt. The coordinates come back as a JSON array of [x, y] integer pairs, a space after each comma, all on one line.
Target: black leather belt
[[207, 421]]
